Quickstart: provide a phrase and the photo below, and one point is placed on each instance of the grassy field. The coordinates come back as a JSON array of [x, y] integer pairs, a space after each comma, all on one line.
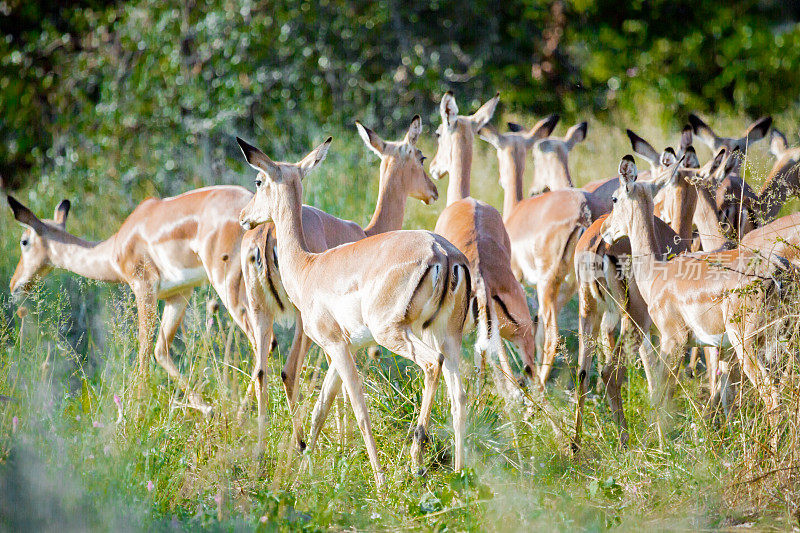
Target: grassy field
[[72, 459]]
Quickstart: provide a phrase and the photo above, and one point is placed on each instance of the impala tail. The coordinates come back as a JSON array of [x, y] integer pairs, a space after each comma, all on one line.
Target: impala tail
[[489, 341]]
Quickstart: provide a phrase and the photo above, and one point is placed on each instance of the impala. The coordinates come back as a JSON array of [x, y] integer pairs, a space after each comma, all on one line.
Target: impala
[[551, 157], [401, 175], [405, 290], [163, 250], [500, 308], [722, 299]]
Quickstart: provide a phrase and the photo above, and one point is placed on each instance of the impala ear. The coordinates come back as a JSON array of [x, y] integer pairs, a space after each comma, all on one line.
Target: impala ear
[[513, 127], [627, 172], [448, 109], [484, 114], [490, 134], [716, 163], [314, 158], [258, 159], [371, 139], [702, 130], [733, 161], [758, 129], [414, 131], [25, 216], [686, 137], [778, 143], [576, 134], [643, 148], [542, 129], [61, 212]]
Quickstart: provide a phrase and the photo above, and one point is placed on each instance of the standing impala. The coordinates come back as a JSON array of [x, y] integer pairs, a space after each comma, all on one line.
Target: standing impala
[[711, 298], [401, 176], [405, 290], [163, 250], [607, 296], [500, 308]]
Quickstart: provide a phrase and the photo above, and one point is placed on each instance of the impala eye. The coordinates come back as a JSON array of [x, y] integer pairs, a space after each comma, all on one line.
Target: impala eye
[[24, 242], [258, 183], [614, 199]]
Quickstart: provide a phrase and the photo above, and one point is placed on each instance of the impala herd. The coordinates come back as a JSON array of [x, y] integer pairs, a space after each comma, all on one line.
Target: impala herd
[[688, 252]]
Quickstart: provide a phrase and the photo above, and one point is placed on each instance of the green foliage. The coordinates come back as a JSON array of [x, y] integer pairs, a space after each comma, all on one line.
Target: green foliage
[[144, 96]]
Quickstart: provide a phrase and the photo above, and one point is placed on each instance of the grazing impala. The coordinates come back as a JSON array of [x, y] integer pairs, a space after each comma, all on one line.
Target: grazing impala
[[710, 298], [551, 157], [163, 250], [405, 290], [500, 308], [401, 175]]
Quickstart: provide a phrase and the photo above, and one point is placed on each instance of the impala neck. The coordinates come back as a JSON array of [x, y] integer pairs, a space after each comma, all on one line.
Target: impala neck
[[391, 206], [644, 246], [511, 172], [93, 260], [685, 204], [460, 166], [707, 222], [287, 217]]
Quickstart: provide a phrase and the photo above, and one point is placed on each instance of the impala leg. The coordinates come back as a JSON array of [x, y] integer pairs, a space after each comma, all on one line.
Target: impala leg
[[262, 339], [455, 390], [405, 343], [432, 375], [587, 330], [342, 359], [146, 307], [331, 386], [614, 375], [290, 376], [694, 356], [174, 309], [548, 321]]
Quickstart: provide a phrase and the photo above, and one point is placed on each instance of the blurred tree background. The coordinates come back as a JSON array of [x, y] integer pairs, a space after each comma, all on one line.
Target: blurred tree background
[[145, 93]]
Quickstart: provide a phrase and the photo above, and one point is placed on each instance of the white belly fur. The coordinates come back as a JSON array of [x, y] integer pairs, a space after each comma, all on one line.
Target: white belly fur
[[177, 280]]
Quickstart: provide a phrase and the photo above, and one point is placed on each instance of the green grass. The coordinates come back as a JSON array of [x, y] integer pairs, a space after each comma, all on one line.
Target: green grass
[[67, 463]]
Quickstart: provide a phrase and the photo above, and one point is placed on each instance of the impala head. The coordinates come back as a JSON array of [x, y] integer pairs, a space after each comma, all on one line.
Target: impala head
[[712, 173], [778, 145], [35, 260], [756, 131], [513, 146], [626, 200], [551, 159], [456, 133], [275, 180], [401, 162]]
